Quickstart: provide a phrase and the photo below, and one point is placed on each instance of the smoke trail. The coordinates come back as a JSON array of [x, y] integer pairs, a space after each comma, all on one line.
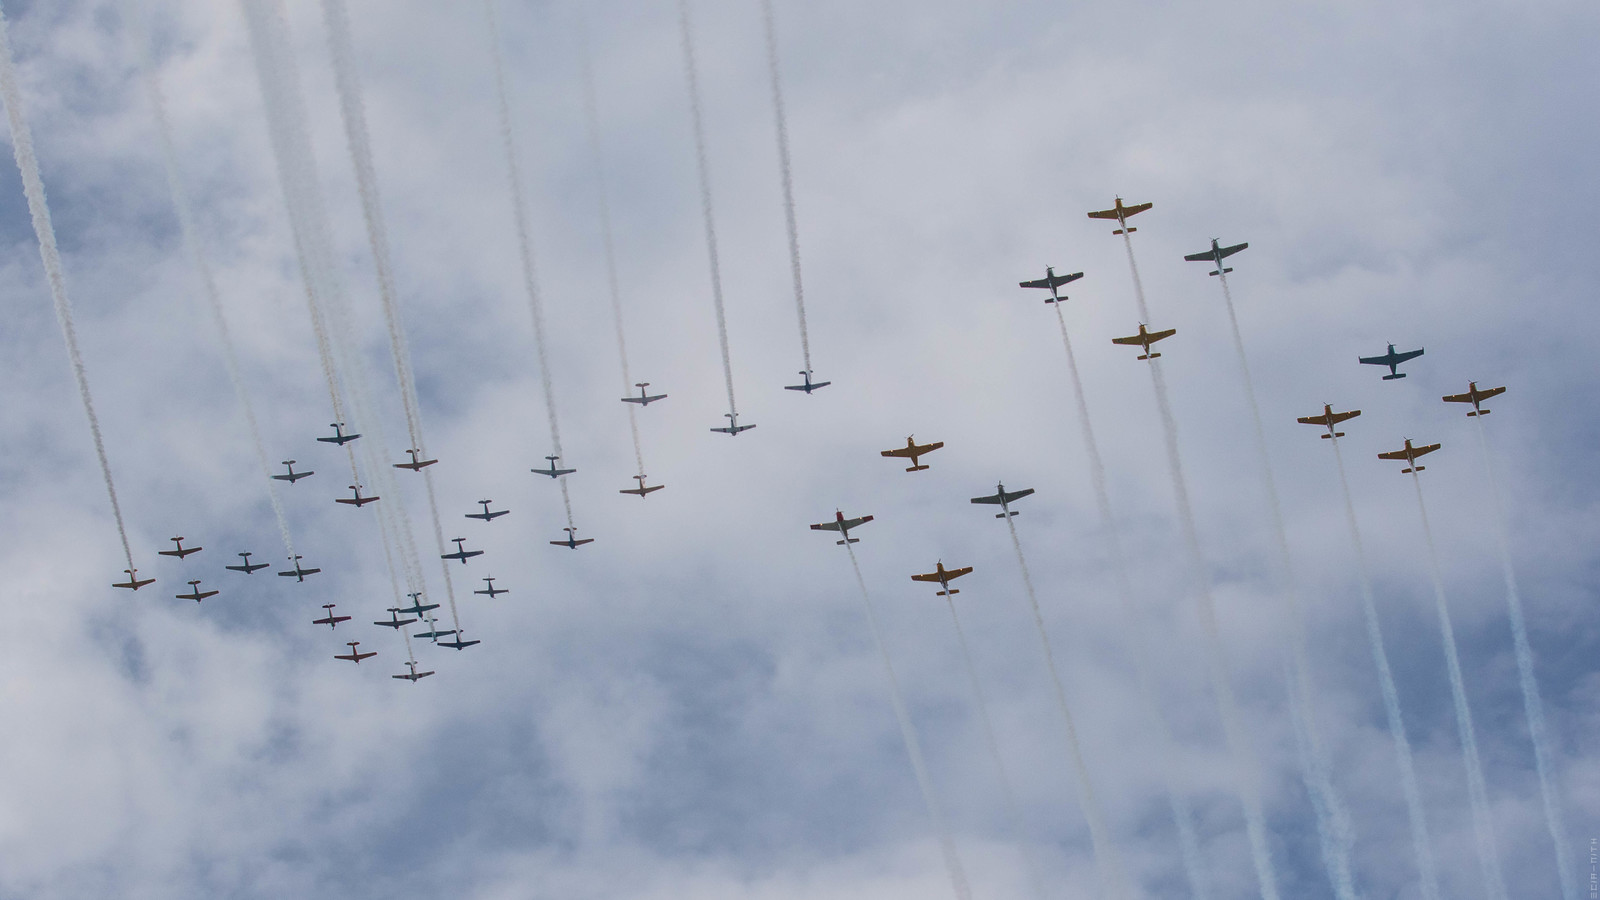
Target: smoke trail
[[705, 196], [1112, 873], [788, 175], [952, 862], [1477, 793], [1428, 877], [1532, 704], [1138, 285], [39, 210]]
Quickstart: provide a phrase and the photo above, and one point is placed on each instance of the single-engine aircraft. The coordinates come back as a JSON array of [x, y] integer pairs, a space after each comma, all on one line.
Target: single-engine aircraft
[[417, 607], [195, 593], [911, 451], [572, 540], [293, 476], [1004, 499], [486, 515], [1050, 282], [358, 500], [553, 472], [1121, 214], [413, 676], [355, 655], [1328, 419], [460, 643], [733, 422], [134, 582], [1145, 339], [462, 553], [644, 399], [1216, 255], [1391, 359], [943, 577], [299, 573], [642, 489], [1409, 454], [394, 619], [843, 526], [247, 566], [330, 620], [181, 552], [416, 465], [433, 633], [339, 437], [491, 590], [808, 387], [1475, 397]]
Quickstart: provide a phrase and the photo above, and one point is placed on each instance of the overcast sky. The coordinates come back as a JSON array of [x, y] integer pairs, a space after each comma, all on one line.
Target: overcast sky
[[693, 705]]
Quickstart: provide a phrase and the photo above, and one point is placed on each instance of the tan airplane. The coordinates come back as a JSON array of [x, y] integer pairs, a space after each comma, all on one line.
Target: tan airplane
[[911, 451], [1475, 397], [943, 577], [1145, 339], [1409, 454], [1121, 214], [1328, 419]]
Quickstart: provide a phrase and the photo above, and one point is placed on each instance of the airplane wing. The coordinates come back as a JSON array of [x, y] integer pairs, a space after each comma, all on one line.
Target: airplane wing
[[1393, 454], [1315, 420], [957, 573], [1136, 208], [931, 576], [1103, 214], [1226, 252], [899, 451], [993, 499], [1409, 354], [1207, 256], [1015, 495], [1134, 340], [1484, 395], [1041, 283], [929, 448], [1336, 418], [1383, 360], [1059, 280], [827, 526], [1161, 335], [1418, 451]]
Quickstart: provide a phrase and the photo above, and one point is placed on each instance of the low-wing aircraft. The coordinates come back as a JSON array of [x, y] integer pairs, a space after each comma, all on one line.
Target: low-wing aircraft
[[1391, 359], [1328, 419], [460, 643], [642, 489], [1409, 454], [1475, 397], [195, 593], [462, 553], [1216, 255], [808, 387], [299, 573], [394, 619], [246, 566], [644, 399], [1050, 282], [357, 500], [734, 427], [355, 655], [293, 476], [339, 437], [1004, 498], [553, 472], [486, 515], [491, 590], [1121, 214], [943, 577], [416, 465], [330, 620], [413, 676], [417, 607], [433, 633], [843, 526], [181, 552], [911, 451], [1144, 339], [572, 539], [134, 582]]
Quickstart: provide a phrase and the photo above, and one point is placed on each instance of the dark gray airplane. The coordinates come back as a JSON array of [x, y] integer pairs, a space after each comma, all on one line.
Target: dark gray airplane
[[1391, 359], [1216, 255], [1050, 282], [1003, 498]]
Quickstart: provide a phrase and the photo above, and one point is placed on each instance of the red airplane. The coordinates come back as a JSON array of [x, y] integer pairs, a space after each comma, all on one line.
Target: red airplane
[[843, 526], [134, 582], [355, 655]]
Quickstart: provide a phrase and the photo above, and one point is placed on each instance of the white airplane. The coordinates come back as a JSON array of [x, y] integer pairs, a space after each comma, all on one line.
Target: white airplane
[[843, 526], [733, 423]]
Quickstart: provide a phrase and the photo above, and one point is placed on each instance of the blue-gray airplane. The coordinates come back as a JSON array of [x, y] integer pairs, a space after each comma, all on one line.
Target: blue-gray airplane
[[298, 573], [808, 387], [462, 553], [1216, 255], [644, 399], [734, 427], [1004, 499], [553, 472], [572, 540], [487, 515], [1391, 359], [293, 476], [1050, 282], [491, 590], [339, 437], [247, 566]]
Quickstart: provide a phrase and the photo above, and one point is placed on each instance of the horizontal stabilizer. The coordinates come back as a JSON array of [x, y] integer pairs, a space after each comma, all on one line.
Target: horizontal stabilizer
[[1223, 272], [916, 468], [946, 593], [1394, 376], [1129, 231]]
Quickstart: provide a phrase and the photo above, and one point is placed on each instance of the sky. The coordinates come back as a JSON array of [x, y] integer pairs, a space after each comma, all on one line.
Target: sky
[[694, 703]]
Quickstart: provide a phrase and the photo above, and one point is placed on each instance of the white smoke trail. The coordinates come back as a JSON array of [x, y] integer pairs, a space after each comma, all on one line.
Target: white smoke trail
[[1532, 703], [1138, 284], [39, 210], [952, 862], [1477, 792], [767, 21], [1112, 873], [1422, 846], [704, 169]]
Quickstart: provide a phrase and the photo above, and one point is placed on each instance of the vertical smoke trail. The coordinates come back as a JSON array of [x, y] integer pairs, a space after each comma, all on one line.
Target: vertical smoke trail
[[952, 862], [1138, 284], [39, 210], [1112, 873], [704, 169], [771, 28], [1428, 877], [1139, 619], [1477, 792], [1532, 703]]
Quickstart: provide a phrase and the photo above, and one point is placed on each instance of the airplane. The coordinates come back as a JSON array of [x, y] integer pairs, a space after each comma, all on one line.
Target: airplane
[[299, 573], [911, 451], [843, 526], [808, 387], [293, 476], [196, 594], [460, 643], [1391, 359], [246, 567], [1051, 281], [643, 399], [1409, 454], [491, 590], [417, 607], [1145, 339], [181, 552], [553, 471], [413, 676], [1475, 397], [330, 620], [943, 576], [1121, 214], [416, 465], [462, 553], [733, 419], [134, 582], [1004, 499], [642, 489], [433, 633], [486, 515], [357, 500], [355, 655], [339, 437], [394, 619], [1216, 255], [1328, 419], [572, 540]]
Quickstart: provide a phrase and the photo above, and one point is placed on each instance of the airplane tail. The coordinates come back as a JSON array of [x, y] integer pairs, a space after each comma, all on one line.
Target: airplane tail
[[1413, 469], [1004, 514], [1394, 376], [1130, 231], [1150, 356], [946, 593], [848, 541], [916, 468], [1223, 272], [1480, 412]]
